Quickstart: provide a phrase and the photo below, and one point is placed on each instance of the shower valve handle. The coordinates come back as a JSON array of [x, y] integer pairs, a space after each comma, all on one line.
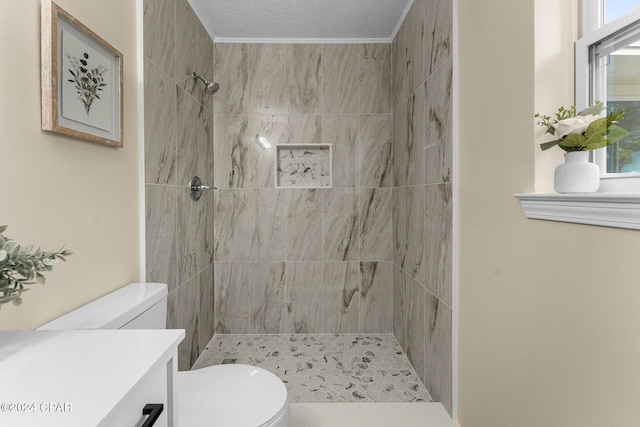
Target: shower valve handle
[[196, 188]]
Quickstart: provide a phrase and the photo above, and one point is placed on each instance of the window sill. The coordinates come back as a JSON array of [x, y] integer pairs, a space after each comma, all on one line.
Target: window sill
[[619, 210]]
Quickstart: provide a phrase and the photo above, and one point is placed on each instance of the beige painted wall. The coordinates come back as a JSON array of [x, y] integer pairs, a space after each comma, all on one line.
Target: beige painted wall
[[556, 29], [56, 190], [549, 312]]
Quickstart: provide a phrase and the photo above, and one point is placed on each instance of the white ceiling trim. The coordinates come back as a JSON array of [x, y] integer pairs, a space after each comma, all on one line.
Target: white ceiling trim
[[401, 20], [305, 41]]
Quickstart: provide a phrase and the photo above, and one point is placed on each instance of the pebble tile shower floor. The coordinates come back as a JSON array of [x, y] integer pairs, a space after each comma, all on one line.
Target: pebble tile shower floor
[[325, 367]]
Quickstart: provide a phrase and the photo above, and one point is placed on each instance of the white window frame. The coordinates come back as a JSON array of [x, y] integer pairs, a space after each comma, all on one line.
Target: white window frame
[[591, 16], [593, 30], [617, 204]]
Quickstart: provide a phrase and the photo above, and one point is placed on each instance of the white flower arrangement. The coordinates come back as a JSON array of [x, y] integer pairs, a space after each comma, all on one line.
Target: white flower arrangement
[[584, 131]]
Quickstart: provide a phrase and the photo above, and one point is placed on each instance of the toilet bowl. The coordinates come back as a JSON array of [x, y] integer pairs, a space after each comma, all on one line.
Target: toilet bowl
[[222, 395], [234, 395]]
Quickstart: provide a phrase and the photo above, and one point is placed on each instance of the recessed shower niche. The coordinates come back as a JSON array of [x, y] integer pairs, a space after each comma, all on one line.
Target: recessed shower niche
[[303, 165]]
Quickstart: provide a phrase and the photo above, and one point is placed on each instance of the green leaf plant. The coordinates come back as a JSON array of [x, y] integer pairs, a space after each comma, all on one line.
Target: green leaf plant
[[21, 266], [585, 131]]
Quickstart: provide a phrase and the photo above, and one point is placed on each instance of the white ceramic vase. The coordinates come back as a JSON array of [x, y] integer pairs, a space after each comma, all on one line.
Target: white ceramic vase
[[577, 174]]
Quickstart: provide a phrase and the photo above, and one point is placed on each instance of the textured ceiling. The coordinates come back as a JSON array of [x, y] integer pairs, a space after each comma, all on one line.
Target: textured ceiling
[[255, 20]]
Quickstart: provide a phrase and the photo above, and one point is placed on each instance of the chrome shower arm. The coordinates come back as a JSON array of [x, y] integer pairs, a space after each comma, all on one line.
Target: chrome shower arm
[[196, 77], [209, 87]]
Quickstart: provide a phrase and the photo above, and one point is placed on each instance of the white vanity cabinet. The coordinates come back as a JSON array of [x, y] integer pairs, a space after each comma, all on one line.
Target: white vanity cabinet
[[87, 378]]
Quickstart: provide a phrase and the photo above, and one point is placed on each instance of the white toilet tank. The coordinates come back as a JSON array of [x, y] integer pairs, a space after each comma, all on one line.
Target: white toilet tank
[[136, 306]]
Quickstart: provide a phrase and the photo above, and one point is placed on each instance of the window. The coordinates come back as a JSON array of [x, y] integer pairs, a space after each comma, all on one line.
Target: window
[[614, 9], [613, 47], [608, 70]]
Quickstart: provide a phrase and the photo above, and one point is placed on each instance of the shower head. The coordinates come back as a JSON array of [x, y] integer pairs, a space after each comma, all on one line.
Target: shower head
[[209, 87]]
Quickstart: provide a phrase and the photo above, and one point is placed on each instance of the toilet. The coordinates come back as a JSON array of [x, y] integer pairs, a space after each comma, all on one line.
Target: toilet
[[222, 395]]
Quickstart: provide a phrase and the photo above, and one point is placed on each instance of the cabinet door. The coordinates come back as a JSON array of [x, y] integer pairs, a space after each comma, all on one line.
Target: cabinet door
[[154, 387]]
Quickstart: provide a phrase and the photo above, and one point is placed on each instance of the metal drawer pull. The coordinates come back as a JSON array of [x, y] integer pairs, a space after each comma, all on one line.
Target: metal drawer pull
[[153, 410]]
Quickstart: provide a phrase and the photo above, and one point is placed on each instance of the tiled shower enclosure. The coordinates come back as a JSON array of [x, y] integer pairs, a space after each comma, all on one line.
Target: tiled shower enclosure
[[370, 254], [312, 260]]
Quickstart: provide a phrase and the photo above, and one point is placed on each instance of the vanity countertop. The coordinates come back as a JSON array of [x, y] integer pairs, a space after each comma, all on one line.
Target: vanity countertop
[[75, 378]]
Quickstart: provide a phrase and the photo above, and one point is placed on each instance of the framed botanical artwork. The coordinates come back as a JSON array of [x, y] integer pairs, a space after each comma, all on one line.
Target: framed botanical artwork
[[81, 80]]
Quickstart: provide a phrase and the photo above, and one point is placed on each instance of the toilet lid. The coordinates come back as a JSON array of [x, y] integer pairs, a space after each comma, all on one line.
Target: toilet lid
[[229, 395]]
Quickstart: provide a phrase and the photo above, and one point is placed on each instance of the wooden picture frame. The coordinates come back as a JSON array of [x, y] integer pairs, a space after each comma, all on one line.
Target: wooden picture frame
[[81, 80]]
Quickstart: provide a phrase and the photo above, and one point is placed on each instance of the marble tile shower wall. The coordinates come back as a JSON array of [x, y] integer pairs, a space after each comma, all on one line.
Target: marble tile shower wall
[[179, 144], [422, 194], [303, 260]]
